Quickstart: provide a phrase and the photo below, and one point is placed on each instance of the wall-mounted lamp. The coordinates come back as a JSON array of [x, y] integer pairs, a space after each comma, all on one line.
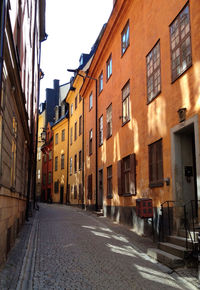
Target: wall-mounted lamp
[[167, 181], [182, 114]]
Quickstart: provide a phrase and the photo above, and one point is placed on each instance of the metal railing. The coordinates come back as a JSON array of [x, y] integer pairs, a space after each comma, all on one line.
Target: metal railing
[[187, 212]]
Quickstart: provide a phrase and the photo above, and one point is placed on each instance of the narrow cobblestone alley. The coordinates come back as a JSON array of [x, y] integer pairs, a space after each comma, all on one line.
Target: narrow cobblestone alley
[[72, 249]]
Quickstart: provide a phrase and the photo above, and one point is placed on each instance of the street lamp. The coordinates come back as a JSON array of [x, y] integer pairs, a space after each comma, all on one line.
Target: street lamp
[[77, 72]]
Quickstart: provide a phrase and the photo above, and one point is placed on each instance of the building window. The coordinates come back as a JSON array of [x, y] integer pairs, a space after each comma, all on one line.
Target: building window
[[80, 160], [101, 130], [75, 131], [63, 109], [125, 103], [63, 135], [70, 166], [38, 174], [71, 109], [90, 142], [56, 186], [125, 38], [180, 38], [75, 102], [100, 82], [153, 72], [62, 161], [45, 157], [75, 163], [90, 186], [126, 174], [75, 191], [109, 67], [56, 163], [109, 120], [80, 125], [80, 98], [109, 181], [156, 164], [80, 196], [90, 102], [50, 155], [39, 153], [56, 138], [49, 177], [71, 135], [44, 179]]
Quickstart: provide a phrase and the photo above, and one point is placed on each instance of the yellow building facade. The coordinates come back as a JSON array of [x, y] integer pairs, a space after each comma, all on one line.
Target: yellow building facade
[[75, 145], [41, 125], [60, 143]]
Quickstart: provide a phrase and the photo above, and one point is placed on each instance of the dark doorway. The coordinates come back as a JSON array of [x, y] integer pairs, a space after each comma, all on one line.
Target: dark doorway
[[61, 194], [100, 199]]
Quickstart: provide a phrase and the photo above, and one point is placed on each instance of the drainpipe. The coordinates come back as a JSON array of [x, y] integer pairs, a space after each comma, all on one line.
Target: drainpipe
[[67, 191], [3, 22], [96, 121], [83, 163]]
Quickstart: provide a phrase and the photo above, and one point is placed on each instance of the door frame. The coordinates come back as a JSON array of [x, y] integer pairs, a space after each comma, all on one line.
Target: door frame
[[176, 129]]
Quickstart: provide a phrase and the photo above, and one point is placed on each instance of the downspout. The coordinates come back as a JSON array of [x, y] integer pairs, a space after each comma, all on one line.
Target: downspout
[[31, 148], [83, 163], [3, 21], [96, 146], [67, 192]]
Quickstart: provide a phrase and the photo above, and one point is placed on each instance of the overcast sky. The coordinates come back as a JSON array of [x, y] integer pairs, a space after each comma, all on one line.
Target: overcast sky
[[72, 27]]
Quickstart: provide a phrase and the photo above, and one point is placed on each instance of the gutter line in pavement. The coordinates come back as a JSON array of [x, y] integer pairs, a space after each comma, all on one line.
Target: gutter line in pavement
[[26, 275]]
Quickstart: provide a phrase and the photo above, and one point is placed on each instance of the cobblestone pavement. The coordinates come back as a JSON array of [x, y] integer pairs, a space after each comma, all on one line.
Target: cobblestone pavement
[[69, 248]]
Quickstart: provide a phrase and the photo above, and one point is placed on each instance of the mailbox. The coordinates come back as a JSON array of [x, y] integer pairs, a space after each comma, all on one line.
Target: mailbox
[[144, 207]]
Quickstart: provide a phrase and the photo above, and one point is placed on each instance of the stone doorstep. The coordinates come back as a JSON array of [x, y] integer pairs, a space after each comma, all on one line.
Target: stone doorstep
[[173, 249], [181, 233], [165, 258], [179, 241]]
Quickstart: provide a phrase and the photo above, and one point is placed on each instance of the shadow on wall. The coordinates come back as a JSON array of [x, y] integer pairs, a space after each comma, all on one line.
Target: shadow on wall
[[127, 216]]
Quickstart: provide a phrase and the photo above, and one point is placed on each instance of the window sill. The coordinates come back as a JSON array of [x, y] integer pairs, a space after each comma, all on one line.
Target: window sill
[[100, 92], [159, 184], [128, 194], [107, 79], [176, 78], [148, 102], [109, 196], [123, 124], [109, 137], [122, 53]]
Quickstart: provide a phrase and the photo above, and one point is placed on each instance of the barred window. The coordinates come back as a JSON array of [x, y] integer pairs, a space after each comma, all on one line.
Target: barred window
[[109, 67], [153, 73], [156, 164], [109, 181], [90, 142], [101, 130], [100, 82], [70, 166], [125, 103], [63, 135], [109, 120], [180, 37], [125, 38], [90, 101], [62, 161], [56, 163]]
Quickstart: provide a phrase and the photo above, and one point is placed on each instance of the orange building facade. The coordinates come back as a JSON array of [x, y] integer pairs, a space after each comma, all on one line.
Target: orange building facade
[[141, 137]]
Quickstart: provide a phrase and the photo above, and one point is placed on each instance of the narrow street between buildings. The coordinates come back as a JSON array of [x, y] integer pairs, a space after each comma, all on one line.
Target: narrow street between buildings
[[68, 248]]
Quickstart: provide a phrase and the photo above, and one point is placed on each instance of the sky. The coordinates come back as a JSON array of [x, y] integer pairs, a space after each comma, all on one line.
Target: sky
[[72, 27]]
